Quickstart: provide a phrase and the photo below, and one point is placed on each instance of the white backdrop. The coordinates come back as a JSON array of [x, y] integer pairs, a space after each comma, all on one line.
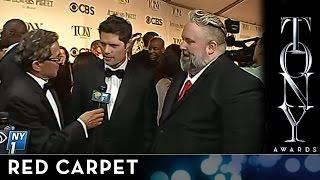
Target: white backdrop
[[77, 21]]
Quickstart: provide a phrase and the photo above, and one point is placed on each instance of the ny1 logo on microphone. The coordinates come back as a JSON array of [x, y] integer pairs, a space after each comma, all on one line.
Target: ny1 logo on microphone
[[16, 140], [100, 97], [295, 63]]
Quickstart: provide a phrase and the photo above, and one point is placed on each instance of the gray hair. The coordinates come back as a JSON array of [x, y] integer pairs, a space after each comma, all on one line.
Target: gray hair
[[213, 25]]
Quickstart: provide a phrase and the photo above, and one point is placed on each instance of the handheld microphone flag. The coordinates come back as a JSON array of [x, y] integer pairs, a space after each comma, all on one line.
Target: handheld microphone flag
[[101, 96]]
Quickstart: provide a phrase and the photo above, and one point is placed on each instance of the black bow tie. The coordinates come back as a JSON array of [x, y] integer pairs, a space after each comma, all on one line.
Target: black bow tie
[[46, 86], [119, 73]]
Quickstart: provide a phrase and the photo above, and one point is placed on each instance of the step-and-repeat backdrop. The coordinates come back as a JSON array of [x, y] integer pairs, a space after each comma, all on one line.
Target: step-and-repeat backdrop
[[77, 21]]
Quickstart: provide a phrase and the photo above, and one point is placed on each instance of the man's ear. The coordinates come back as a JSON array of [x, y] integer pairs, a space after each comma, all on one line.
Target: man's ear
[[36, 66], [212, 47]]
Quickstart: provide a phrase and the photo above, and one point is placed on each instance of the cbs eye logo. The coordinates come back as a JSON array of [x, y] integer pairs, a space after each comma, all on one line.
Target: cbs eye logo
[[83, 8], [3, 137], [154, 20], [74, 52]]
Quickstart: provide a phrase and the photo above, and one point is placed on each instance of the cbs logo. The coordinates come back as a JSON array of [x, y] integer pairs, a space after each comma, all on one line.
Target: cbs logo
[[74, 52], [153, 20], [74, 7]]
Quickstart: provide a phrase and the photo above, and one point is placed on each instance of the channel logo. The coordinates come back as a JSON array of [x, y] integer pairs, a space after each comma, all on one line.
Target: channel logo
[[100, 97], [17, 140], [74, 52], [3, 137], [83, 8], [154, 20]]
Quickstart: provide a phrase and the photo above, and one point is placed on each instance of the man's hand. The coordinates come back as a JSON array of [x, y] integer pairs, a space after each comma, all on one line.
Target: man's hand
[[92, 118]]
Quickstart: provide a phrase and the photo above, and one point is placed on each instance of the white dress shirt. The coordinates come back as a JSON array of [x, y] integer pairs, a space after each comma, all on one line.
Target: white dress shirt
[[9, 48], [196, 77], [113, 85]]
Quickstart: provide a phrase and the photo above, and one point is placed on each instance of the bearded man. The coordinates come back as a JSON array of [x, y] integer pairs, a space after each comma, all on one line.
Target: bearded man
[[213, 106]]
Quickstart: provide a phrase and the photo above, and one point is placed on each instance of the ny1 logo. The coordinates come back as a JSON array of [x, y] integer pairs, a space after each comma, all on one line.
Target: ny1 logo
[[17, 140], [295, 48], [74, 7], [81, 31], [154, 5]]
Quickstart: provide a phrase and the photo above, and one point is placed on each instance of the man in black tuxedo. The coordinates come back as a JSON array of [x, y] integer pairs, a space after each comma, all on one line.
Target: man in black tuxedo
[[12, 32], [213, 106], [131, 112], [35, 107]]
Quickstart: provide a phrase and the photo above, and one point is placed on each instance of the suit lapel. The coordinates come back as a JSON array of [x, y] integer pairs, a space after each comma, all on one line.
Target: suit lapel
[[172, 95], [171, 104], [126, 85], [8, 56], [38, 90], [100, 72]]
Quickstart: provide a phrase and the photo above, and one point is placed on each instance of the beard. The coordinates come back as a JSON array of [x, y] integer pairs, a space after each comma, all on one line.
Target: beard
[[192, 63]]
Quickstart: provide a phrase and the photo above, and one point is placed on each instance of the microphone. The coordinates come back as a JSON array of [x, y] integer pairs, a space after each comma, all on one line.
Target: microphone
[[101, 96]]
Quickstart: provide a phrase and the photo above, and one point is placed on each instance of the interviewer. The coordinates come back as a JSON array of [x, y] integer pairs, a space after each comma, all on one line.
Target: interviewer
[[34, 106]]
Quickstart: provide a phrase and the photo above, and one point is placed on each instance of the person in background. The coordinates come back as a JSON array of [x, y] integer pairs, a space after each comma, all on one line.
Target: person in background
[[33, 104], [168, 68], [96, 49], [213, 106], [156, 49], [83, 60], [257, 69], [63, 82], [10, 66], [143, 57]]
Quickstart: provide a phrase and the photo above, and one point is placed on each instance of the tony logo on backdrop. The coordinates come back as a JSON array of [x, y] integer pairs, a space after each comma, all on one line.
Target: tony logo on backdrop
[[296, 105]]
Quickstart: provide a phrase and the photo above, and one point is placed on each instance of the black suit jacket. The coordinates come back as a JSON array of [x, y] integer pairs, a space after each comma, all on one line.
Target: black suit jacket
[[222, 112], [29, 109], [10, 67], [133, 119]]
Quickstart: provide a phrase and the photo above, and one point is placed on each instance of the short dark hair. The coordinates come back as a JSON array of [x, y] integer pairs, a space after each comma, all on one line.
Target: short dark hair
[[148, 36], [36, 45], [117, 25], [156, 38], [94, 44]]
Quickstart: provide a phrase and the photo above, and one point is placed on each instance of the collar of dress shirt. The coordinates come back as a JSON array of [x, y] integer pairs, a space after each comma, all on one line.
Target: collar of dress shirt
[[10, 47], [122, 66], [40, 81], [195, 77]]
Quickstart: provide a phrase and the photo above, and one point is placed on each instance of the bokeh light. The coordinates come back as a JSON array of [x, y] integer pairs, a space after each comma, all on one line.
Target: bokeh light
[[180, 175], [312, 163], [292, 165], [159, 175]]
